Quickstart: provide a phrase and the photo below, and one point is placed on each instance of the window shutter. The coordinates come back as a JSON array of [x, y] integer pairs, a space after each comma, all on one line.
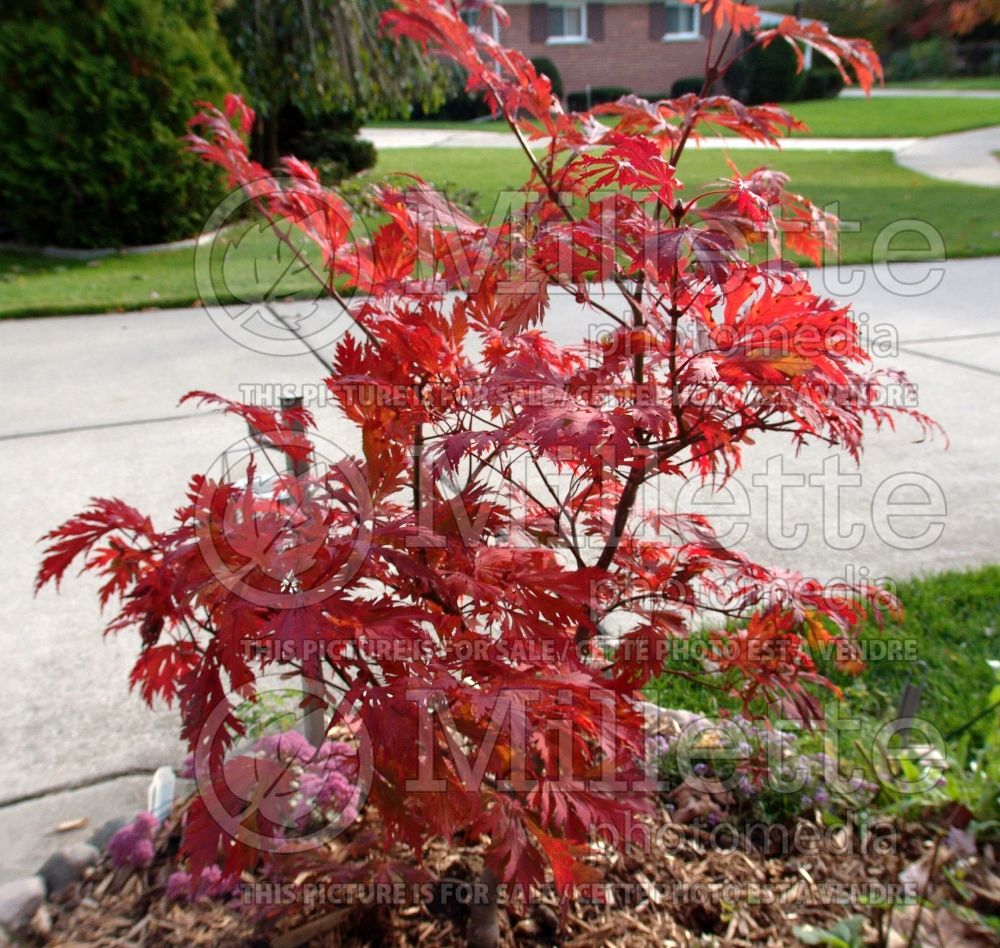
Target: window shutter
[[657, 20], [595, 21], [539, 27]]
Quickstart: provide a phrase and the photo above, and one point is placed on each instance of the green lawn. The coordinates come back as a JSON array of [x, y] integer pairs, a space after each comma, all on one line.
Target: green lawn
[[895, 118], [950, 629], [953, 621], [851, 118], [256, 266], [870, 187]]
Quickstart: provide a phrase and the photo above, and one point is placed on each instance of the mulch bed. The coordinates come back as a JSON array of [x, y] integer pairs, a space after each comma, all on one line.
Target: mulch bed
[[689, 889]]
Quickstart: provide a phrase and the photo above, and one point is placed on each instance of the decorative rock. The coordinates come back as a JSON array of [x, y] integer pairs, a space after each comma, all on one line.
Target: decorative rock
[[100, 838], [19, 900], [41, 924], [67, 865], [668, 720], [546, 920]]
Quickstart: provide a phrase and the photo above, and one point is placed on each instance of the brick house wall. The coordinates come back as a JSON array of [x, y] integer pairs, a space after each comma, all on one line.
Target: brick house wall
[[625, 46]]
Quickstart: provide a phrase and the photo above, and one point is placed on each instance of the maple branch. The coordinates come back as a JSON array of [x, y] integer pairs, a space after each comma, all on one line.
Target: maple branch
[[549, 187], [637, 477], [327, 284], [622, 511], [418, 447], [554, 197], [675, 395], [573, 544], [576, 289], [531, 496]]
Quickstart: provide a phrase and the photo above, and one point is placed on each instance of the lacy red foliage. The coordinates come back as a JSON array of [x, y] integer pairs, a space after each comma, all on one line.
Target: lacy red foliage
[[460, 572]]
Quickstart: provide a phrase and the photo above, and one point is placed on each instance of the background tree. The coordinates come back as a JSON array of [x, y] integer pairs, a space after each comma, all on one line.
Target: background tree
[[94, 98], [321, 64], [930, 38], [865, 18], [969, 15], [920, 19]]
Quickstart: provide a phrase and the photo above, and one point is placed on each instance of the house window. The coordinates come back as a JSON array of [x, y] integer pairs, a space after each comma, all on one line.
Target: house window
[[476, 19], [567, 22], [683, 21]]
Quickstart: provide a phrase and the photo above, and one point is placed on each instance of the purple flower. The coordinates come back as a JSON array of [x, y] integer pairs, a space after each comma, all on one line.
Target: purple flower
[[210, 884], [179, 885], [133, 844], [745, 787], [701, 769], [287, 747], [822, 798]]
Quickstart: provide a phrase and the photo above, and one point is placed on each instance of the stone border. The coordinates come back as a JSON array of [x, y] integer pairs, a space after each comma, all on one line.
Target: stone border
[[21, 899]]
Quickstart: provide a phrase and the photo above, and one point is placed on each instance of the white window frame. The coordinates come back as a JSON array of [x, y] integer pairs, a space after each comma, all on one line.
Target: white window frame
[[686, 35], [494, 29], [582, 37]]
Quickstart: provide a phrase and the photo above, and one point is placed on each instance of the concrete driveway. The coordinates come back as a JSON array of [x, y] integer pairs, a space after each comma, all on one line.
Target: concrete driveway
[[91, 410]]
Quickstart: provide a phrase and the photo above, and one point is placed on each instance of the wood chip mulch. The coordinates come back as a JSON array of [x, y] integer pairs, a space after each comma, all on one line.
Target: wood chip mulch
[[689, 891]]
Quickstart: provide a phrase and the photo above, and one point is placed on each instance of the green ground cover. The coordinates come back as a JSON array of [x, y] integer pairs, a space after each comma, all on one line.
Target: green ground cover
[[870, 189]]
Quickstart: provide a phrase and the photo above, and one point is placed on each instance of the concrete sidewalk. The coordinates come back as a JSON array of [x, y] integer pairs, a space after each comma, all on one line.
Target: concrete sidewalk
[[853, 92], [91, 410], [392, 138], [965, 157]]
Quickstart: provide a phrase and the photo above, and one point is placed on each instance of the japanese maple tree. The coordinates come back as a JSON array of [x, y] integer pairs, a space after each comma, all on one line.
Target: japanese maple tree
[[460, 572]]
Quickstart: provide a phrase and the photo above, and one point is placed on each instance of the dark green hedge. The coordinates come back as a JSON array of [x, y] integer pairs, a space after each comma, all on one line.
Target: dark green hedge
[[823, 82], [546, 67], [687, 84], [772, 74], [94, 95]]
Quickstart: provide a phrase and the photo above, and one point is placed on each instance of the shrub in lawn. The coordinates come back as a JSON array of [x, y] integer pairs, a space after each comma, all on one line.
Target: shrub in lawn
[[317, 58], [598, 95], [447, 589], [545, 67], [331, 142], [772, 74], [459, 105], [95, 97], [821, 83], [686, 85], [928, 59]]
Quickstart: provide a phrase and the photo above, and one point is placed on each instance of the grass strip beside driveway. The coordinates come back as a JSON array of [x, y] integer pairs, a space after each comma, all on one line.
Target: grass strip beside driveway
[[872, 191]]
